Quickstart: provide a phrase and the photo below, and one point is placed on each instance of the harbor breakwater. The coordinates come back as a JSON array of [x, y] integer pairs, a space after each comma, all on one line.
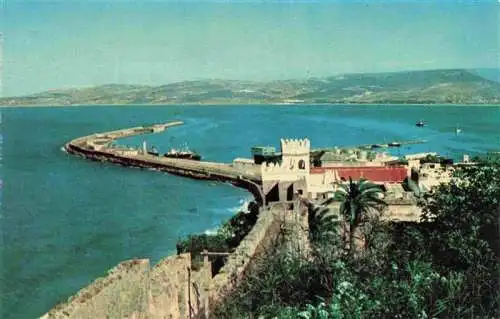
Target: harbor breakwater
[[172, 289], [99, 147]]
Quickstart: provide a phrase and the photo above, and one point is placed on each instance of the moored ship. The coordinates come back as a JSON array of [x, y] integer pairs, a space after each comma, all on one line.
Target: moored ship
[[394, 144], [183, 154]]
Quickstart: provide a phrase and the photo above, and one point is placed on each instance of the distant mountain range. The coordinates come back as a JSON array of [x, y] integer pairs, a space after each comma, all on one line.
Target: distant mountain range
[[457, 86]]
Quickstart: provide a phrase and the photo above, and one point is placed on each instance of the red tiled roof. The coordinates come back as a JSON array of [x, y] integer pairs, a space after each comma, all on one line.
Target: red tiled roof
[[393, 174]]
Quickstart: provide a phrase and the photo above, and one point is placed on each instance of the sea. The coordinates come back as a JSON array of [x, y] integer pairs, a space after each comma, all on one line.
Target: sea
[[65, 221]]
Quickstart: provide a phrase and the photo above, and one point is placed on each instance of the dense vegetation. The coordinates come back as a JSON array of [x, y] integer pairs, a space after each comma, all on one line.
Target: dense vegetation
[[444, 267], [415, 87]]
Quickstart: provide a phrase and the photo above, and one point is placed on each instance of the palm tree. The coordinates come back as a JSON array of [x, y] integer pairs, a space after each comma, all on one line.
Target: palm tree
[[323, 224], [357, 201]]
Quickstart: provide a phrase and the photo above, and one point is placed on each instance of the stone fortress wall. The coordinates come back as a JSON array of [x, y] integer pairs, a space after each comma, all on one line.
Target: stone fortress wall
[[261, 239], [134, 289], [122, 292]]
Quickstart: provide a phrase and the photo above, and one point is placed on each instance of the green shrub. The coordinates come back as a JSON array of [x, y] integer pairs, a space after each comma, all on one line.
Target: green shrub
[[407, 293]]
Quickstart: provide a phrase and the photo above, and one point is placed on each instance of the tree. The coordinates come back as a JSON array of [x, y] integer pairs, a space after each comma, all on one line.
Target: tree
[[465, 235], [465, 213], [323, 223], [358, 201]]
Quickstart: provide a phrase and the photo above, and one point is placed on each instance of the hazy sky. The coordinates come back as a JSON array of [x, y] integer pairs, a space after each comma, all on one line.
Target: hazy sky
[[49, 44]]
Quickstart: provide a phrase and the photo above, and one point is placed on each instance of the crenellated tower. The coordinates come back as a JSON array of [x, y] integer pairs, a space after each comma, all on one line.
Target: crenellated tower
[[292, 174], [296, 156]]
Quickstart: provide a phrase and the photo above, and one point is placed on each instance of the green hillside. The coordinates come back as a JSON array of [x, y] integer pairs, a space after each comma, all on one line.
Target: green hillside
[[456, 86]]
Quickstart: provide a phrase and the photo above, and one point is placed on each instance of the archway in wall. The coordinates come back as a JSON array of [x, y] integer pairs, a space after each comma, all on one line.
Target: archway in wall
[[289, 193], [273, 195]]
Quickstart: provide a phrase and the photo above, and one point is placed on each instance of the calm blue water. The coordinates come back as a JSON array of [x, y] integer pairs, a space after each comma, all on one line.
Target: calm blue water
[[66, 221]]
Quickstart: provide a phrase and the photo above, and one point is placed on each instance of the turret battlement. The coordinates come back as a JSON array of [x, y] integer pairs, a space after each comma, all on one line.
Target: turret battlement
[[295, 146], [279, 172], [294, 165], [277, 168]]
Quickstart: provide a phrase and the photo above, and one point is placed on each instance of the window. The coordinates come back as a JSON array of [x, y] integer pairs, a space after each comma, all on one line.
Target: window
[[302, 164]]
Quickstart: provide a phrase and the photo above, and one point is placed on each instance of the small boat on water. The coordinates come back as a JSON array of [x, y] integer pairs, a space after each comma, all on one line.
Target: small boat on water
[[420, 123], [183, 154], [394, 144]]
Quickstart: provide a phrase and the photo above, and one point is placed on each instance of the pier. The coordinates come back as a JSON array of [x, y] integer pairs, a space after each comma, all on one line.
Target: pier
[[371, 146], [100, 147]]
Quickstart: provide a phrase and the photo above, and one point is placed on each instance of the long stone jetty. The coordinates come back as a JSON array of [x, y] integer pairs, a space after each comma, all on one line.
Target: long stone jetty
[[372, 146], [101, 147]]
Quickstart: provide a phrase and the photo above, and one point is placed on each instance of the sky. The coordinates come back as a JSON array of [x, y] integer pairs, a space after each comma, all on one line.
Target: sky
[[63, 44]]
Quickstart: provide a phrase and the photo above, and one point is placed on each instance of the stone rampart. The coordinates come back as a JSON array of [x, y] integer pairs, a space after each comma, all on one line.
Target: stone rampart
[[260, 239], [135, 290], [176, 290], [168, 291], [171, 289], [118, 295]]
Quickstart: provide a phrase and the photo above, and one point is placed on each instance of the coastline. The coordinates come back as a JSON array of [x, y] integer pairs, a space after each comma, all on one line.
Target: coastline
[[248, 104]]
